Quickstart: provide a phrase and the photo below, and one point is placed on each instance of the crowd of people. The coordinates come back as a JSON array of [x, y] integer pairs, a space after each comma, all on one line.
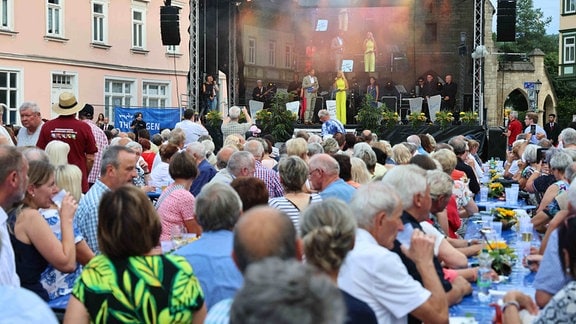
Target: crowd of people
[[258, 210]]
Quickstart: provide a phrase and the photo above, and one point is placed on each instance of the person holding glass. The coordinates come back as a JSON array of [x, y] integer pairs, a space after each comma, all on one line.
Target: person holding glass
[[341, 86], [131, 280]]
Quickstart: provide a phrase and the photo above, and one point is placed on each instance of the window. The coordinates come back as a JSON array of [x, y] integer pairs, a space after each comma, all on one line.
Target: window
[[155, 94], [138, 28], [288, 57], [272, 53], [9, 95], [99, 22], [569, 6], [118, 93], [6, 10], [569, 49], [54, 18], [251, 51], [173, 49]]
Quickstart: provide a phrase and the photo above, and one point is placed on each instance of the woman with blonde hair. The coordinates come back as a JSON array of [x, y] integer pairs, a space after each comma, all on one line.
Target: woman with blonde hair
[[359, 171], [401, 154], [131, 280], [297, 147], [370, 53], [329, 231], [57, 152], [35, 245], [341, 87]]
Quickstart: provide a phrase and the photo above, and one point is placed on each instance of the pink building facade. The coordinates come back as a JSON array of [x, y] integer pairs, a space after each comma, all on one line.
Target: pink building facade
[[109, 53]]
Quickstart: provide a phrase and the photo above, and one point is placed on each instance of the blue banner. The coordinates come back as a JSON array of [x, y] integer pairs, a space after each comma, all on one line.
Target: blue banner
[[156, 119]]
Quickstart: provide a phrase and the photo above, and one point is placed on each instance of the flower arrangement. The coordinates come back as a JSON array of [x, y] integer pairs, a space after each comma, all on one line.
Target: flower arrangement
[[214, 118], [444, 118], [263, 116], [495, 190], [506, 216], [503, 257], [469, 118], [370, 117], [417, 119], [390, 118]]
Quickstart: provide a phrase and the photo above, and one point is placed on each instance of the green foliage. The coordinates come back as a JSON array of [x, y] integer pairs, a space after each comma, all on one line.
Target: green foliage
[[370, 117], [278, 120], [565, 109]]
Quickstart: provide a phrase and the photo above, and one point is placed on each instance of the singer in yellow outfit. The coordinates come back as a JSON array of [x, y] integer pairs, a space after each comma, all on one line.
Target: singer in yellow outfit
[[369, 53], [341, 86]]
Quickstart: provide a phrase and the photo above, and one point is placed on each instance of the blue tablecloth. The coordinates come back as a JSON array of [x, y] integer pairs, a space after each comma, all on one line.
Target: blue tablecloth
[[520, 279], [502, 203]]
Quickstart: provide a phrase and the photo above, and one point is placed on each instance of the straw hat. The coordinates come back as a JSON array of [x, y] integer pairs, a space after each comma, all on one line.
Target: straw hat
[[67, 104]]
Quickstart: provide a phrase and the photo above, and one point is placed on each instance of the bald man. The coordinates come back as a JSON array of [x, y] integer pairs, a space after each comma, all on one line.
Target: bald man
[[260, 233], [324, 176]]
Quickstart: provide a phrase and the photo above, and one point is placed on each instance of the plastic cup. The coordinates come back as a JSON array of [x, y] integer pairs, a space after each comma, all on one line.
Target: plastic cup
[[497, 229], [511, 196], [484, 194]]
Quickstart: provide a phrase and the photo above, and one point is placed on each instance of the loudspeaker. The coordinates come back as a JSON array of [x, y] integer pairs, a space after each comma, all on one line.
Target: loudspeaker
[[170, 25], [497, 143], [506, 21]]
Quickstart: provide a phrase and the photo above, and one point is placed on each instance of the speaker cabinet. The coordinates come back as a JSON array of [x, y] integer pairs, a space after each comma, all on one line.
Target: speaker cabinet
[[506, 21], [170, 25], [497, 143]]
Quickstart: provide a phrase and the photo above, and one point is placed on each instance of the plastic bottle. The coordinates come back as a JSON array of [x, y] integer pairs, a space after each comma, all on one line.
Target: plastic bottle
[[484, 279]]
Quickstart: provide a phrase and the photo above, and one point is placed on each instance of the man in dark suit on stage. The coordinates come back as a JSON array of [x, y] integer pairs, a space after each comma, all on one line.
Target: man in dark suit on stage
[[552, 129], [448, 94], [106, 126]]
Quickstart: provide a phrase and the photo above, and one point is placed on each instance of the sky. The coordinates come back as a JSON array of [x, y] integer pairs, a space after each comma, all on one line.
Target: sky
[[551, 8]]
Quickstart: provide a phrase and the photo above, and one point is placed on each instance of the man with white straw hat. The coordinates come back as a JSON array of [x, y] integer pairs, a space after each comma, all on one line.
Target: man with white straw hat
[[68, 129]]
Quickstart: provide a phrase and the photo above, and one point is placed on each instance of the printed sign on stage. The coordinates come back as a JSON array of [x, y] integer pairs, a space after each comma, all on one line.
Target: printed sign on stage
[[156, 118]]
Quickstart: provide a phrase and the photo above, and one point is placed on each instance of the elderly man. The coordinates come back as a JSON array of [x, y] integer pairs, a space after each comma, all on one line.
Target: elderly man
[[330, 126], [14, 181], [206, 171], [270, 177], [31, 124], [324, 177], [218, 208], [260, 233], [241, 164], [77, 134], [415, 139], [222, 159], [86, 115], [230, 125], [118, 168], [376, 275], [460, 148], [409, 182], [192, 128], [568, 138]]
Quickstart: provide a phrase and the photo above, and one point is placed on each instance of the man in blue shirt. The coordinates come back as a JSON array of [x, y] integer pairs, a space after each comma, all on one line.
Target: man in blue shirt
[[206, 171], [330, 126], [324, 176], [536, 131]]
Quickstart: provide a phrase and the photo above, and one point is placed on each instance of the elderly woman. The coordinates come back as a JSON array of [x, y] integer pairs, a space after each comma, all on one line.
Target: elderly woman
[[293, 174], [176, 204], [57, 152], [529, 165], [129, 281], [328, 231], [35, 245], [401, 154], [548, 205], [297, 147]]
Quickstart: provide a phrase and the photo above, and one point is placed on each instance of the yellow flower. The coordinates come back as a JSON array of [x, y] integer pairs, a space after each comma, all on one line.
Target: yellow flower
[[462, 113]]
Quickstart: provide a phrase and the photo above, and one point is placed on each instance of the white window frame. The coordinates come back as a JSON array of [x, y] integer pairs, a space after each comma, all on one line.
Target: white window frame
[[138, 28], [173, 49], [53, 9], [569, 6], [569, 50], [146, 97], [110, 96], [272, 53], [288, 56], [252, 45], [7, 15], [100, 23], [11, 115]]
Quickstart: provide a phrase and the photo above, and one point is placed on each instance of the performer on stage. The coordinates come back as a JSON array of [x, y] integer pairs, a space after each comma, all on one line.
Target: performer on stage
[[210, 92], [310, 87], [258, 92], [369, 53], [337, 47], [373, 90], [429, 89], [449, 91], [341, 86]]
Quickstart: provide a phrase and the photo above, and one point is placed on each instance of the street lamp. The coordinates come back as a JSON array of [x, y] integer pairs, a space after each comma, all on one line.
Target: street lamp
[[537, 86]]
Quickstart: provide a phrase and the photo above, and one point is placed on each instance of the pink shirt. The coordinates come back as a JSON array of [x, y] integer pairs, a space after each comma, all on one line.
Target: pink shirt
[[174, 209]]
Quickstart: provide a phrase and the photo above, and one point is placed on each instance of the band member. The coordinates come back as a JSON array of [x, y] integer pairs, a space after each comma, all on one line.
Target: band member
[[449, 91], [259, 91]]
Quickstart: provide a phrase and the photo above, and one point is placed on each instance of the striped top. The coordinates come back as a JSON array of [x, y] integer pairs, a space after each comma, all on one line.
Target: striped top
[[286, 206]]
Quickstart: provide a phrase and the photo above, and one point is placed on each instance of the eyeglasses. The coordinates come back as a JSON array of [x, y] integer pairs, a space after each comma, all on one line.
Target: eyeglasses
[[312, 172]]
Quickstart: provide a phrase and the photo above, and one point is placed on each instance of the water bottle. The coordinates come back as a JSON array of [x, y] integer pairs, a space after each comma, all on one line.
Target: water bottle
[[484, 279]]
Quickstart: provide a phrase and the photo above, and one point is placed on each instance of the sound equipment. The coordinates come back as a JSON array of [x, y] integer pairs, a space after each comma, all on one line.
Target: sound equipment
[[506, 21], [497, 143], [170, 25]]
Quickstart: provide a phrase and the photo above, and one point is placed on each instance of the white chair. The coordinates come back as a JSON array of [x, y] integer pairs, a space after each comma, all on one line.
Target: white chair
[[255, 106], [415, 105], [331, 107], [293, 106], [434, 103]]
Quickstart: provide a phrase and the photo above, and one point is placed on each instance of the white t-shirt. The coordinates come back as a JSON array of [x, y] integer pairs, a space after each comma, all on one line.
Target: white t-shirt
[[192, 130], [25, 139], [8, 276], [431, 230], [378, 277]]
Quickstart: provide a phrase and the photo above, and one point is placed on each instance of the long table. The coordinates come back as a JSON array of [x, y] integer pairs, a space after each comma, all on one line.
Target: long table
[[520, 279]]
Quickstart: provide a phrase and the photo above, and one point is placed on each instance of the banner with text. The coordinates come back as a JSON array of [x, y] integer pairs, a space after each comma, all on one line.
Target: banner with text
[[156, 119]]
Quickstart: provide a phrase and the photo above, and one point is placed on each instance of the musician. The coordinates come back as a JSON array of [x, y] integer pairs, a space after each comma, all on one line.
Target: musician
[[210, 92], [269, 94], [259, 92], [373, 89], [418, 89], [295, 88], [449, 91], [430, 89]]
